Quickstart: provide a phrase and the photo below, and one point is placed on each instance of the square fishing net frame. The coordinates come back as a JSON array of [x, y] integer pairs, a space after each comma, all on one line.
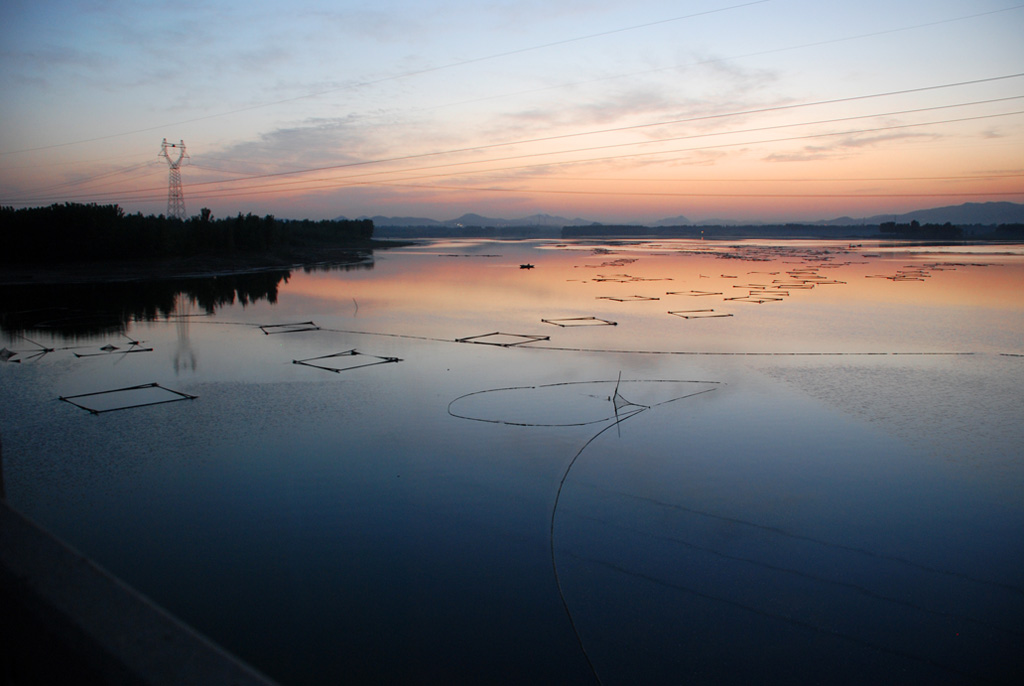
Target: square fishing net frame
[[699, 314], [111, 349], [757, 299], [322, 361], [517, 339], [694, 293], [169, 396], [580, 321], [626, 298], [294, 327]]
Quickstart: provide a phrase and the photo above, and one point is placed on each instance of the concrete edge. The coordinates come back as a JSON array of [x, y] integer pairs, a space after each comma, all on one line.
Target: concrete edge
[[65, 615]]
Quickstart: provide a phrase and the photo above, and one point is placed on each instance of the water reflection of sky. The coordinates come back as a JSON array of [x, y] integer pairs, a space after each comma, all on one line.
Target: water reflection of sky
[[827, 510]]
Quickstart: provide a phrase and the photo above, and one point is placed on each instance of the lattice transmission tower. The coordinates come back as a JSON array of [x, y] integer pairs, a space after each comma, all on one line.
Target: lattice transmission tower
[[175, 196]]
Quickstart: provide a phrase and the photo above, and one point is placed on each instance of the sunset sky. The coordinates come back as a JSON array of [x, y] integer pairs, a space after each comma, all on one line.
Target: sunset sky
[[771, 110]]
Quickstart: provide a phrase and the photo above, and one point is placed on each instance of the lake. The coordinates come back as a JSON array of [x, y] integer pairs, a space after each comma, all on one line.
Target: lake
[[549, 462]]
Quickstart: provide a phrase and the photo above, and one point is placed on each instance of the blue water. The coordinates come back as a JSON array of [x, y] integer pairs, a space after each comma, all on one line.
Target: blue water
[[483, 513]]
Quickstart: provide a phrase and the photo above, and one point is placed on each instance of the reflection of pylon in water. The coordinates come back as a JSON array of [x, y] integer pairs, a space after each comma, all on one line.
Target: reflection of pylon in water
[[184, 356]]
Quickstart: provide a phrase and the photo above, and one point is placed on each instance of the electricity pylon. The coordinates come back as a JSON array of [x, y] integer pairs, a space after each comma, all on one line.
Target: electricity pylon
[[175, 196]]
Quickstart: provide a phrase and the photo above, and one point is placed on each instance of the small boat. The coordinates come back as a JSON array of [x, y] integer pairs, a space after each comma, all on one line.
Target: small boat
[[526, 266]]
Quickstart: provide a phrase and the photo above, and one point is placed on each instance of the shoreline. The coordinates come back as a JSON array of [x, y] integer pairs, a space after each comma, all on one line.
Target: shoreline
[[194, 267]]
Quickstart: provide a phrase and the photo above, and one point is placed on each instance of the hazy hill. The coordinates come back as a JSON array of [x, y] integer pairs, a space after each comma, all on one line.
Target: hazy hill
[[983, 213], [477, 220], [679, 220], [967, 214]]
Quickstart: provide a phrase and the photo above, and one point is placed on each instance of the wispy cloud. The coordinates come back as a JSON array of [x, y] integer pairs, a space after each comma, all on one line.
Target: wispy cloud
[[808, 154], [711, 88], [313, 144], [878, 139], [992, 133], [846, 146]]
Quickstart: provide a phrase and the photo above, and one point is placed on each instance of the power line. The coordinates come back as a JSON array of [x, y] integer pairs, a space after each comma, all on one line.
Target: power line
[[272, 190], [962, 177], [395, 77], [268, 189], [743, 143], [716, 60], [619, 145], [709, 135], [667, 194], [98, 177], [247, 177], [523, 50], [334, 183], [705, 180], [688, 120], [615, 157]]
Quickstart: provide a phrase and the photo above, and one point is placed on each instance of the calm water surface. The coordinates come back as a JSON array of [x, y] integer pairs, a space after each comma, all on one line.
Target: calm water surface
[[674, 462]]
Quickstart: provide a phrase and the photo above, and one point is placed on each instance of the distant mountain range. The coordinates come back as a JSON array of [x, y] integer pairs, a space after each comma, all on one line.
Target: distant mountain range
[[478, 220], [971, 213]]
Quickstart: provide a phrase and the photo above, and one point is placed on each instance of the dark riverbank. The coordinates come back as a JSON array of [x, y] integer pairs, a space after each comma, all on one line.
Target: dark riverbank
[[196, 266], [73, 243]]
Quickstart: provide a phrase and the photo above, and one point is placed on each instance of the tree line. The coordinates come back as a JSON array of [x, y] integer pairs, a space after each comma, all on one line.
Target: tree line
[[73, 232], [915, 229]]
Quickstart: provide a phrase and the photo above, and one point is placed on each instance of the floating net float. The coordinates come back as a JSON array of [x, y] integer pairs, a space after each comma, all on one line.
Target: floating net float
[[822, 281], [111, 349], [621, 262], [626, 298], [757, 299], [114, 351], [17, 356], [810, 280], [126, 398], [461, 254], [950, 266], [758, 289], [694, 293], [504, 340], [626, 278], [698, 314], [339, 362], [790, 285], [580, 321], [134, 346], [294, 327], [908, 274]]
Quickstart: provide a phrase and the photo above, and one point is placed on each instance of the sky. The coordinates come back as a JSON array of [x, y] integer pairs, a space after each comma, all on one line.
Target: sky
[[751, 110]]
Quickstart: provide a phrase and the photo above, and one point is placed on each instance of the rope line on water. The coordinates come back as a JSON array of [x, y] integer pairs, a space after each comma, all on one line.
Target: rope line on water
[[613, 351]]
